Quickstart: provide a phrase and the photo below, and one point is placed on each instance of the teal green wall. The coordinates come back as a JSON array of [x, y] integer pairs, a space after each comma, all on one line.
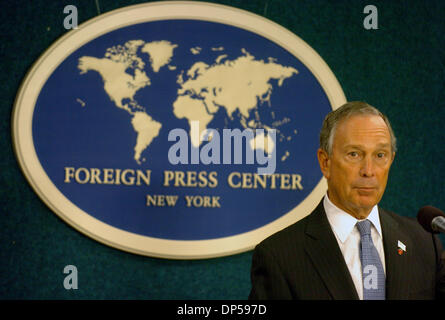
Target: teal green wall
[[398, 68]]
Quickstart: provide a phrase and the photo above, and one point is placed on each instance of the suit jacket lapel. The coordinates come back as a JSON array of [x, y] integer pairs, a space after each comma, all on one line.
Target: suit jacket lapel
[[324, 252], [397, 265]]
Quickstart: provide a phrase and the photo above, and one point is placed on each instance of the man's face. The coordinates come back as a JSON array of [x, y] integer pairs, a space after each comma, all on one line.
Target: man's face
[[357, 170]]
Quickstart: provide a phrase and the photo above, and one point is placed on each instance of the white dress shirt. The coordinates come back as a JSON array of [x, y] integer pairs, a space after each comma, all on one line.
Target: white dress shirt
[[348, 238]]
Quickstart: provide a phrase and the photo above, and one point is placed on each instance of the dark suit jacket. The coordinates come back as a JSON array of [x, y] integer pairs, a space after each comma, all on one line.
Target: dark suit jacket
[[304, 261]]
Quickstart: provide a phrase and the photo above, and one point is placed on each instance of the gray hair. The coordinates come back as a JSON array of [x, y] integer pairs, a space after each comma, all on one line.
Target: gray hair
[[346, 111]]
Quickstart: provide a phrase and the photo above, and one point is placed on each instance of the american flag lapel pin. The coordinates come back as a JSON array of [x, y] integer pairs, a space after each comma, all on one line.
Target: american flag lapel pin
[[401, 248]]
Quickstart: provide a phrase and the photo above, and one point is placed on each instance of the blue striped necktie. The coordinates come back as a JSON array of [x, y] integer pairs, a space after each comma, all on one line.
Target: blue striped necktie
[[373, 275]]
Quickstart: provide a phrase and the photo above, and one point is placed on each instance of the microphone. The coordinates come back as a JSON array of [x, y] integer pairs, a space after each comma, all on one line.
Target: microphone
[[431, 219]]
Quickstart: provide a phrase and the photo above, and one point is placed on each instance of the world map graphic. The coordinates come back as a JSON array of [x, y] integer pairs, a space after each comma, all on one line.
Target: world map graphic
[[239, 86]]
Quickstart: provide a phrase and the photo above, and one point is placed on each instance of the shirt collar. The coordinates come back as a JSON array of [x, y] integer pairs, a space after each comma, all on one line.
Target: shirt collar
[[343, 223]]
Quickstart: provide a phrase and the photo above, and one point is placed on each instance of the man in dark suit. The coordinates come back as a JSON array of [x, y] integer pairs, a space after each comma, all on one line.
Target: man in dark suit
[[348, 247]]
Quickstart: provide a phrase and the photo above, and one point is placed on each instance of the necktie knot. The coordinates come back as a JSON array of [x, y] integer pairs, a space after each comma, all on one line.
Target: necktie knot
[[364, 227]]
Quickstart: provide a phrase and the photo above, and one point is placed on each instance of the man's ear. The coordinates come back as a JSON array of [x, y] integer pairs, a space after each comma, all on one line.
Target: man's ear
[[325, 162]]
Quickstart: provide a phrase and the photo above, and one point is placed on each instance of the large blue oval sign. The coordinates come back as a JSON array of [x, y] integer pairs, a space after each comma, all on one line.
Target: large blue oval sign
[[176, 130]]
